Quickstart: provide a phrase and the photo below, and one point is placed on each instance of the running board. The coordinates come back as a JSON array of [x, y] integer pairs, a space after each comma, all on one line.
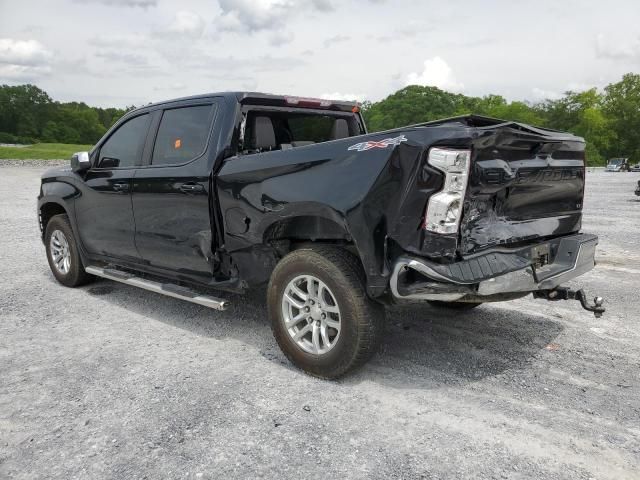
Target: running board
[[168, 289]]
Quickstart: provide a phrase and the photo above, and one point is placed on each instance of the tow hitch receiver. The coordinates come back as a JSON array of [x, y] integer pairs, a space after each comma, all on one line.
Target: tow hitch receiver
[[563, 293]]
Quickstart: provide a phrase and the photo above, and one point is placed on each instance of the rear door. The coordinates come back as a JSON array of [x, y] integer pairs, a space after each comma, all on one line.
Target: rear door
[[103, 210], [171, 193]]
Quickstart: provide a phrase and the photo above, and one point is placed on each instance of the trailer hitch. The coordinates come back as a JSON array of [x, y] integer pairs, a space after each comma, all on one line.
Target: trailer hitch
[[564, 293]]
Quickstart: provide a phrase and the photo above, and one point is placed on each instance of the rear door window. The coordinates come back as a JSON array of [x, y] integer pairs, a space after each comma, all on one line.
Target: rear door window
[[182, 135]]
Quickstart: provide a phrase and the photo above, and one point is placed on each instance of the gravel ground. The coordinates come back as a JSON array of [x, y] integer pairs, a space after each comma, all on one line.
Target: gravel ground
[[109, 381]]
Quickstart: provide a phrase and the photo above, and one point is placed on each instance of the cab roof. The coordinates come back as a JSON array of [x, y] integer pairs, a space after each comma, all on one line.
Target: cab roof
[[267, 99]]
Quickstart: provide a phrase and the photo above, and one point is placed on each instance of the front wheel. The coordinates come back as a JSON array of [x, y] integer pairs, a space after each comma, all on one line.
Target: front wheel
[[320, 314], [62, 253]]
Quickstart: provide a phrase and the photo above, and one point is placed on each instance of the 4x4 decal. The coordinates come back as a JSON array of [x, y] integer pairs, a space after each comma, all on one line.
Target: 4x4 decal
[[362, 146]]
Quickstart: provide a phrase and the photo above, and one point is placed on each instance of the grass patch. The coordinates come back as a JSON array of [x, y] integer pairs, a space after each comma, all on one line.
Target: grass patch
[[43, 151]]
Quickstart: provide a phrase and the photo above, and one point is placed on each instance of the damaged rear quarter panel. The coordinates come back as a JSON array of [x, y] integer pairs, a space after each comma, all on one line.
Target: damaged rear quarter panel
[[370, 194]]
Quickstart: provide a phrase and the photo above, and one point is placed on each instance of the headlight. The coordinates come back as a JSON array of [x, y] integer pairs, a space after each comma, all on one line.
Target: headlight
[[445, 207]]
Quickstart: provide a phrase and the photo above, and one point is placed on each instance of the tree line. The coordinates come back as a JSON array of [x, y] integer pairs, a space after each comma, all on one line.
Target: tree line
[[609, 120], [29, 115]]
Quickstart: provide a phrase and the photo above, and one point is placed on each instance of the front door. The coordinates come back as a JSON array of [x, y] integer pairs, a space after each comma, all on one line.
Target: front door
[[104, 211], [171, 194]]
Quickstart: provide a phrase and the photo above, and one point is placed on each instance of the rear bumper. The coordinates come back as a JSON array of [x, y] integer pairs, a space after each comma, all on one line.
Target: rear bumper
[[498, 275]]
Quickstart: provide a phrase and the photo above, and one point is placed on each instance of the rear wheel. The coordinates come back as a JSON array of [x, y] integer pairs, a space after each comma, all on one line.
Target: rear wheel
[[320, 314], [460, 306], [62, 253]]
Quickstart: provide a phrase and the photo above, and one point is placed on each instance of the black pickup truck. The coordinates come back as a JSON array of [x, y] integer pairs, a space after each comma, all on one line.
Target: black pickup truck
[[224, 192]]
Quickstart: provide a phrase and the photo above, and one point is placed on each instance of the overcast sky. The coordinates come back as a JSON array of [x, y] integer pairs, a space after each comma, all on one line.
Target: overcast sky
[[123, 52]]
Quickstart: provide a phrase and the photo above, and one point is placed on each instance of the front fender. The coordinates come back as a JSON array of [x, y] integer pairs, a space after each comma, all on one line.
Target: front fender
[[60, 192]]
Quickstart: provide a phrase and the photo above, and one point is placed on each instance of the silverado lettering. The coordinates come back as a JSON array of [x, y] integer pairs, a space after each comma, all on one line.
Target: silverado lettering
[[538, 176]]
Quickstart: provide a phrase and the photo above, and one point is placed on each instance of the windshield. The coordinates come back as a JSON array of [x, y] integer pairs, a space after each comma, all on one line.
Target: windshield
[[615, 161]]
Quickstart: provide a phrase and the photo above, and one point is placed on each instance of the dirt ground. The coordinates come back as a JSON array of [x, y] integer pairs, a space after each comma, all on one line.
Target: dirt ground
[[109, 381]]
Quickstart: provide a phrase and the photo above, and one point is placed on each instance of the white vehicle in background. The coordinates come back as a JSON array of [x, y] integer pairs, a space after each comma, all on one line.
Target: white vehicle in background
[[618, 165]]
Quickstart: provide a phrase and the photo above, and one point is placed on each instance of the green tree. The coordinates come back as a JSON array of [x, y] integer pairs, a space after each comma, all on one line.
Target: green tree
[[582, 113], [412, 104], [622, 106]]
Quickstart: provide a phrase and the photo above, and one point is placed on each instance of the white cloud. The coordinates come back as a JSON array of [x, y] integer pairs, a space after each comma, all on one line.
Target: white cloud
[[617, 50], [123, 3], [322, 5], [23, 60], [541, 94], [253, 15], [28, 53], [579, 87], [176, 86], [187, 23], [122, 41], [256, 15], [436, 73], [23, 73], [344, 97], [280, 38], [336, 39], [123, 57]]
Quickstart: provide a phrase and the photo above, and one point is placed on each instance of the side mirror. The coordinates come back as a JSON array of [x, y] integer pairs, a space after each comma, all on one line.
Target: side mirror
[[80, 162]]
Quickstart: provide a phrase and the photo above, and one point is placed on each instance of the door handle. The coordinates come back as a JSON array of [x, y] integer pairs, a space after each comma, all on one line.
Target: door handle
[[191, 188], [120, 187]]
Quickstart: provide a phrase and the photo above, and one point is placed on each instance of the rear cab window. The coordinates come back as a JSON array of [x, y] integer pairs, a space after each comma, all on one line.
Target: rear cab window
[[266, 129]]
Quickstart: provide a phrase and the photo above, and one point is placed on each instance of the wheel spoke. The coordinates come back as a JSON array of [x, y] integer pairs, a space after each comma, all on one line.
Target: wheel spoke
[[331, 308], [315, 338], [311, 287], [292, 321], [299, 293], [325, 336], [302, 332], [296, 303], [332, 323]]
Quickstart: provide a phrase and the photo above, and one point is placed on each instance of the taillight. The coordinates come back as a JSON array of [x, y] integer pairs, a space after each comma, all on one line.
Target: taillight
[[445, 207]]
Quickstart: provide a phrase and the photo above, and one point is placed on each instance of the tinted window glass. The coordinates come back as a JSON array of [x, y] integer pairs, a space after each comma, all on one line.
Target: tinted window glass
[[182, 135], [124, 147], [314, 128]]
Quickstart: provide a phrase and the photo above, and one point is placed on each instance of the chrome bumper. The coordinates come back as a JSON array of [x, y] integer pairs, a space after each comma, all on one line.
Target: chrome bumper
[[495, 276]]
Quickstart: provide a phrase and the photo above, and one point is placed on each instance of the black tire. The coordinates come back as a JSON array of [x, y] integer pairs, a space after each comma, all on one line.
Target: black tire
[[362, 320], [460, 306], [76, 276]]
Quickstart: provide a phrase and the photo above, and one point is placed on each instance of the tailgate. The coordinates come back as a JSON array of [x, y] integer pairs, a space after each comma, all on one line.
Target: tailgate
[[526, 184]]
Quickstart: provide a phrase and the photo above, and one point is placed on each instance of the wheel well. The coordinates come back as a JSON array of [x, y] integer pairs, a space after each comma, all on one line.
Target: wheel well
[[47, 211], [288, 234]]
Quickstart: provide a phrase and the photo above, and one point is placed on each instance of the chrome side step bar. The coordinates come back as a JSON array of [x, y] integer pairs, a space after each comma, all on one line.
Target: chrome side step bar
[[168, 289]]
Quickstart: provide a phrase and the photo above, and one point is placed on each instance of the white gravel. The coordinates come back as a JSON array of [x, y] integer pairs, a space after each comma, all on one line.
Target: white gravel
[[108, 381]]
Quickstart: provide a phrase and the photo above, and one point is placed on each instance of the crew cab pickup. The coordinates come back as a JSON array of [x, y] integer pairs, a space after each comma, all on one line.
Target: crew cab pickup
[[225, 192]]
